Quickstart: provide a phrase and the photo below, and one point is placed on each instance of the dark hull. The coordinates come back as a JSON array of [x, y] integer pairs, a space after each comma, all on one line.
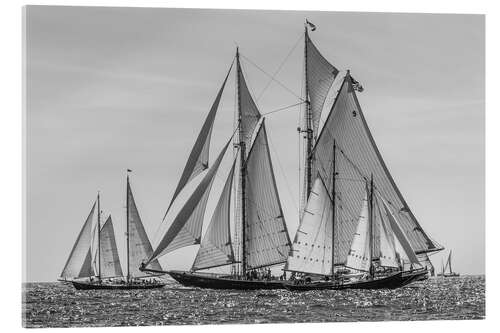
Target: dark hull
[[80, 285], [189, 279], [396, 280], [449, 275]]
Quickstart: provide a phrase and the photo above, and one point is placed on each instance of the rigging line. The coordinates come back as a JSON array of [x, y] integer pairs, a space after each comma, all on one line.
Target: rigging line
[[283, 108], [274, 79], [280, 66]]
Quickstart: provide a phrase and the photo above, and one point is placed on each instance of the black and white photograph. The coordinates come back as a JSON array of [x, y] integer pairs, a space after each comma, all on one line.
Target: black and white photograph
[[227, 166]]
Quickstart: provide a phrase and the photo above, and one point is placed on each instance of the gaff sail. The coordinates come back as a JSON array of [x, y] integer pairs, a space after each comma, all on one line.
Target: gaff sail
[[312, 246], [347, 126], [266, 236], [198, 158], [110, 261], [186, 228], [139, 246], [216, 247], [79, 260]]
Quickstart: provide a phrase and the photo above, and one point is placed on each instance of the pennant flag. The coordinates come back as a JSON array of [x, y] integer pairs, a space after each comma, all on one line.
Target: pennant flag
[[356, 85], [312, 26]]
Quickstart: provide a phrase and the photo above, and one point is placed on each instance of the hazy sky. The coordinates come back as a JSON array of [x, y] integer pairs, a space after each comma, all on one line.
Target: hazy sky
[[116, 88]]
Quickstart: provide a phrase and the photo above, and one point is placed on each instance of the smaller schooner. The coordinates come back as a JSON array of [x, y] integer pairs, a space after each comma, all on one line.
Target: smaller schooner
[[450, 272], [94, 262]]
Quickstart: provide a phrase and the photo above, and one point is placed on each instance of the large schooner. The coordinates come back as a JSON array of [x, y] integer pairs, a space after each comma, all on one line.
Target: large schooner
[[94, 262], [355, 231]]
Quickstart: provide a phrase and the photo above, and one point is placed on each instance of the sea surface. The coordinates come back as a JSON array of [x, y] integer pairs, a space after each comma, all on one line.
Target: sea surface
[[60, 305]]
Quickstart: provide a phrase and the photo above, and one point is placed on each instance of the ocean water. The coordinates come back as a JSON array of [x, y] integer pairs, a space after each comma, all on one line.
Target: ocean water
[[60, 305]]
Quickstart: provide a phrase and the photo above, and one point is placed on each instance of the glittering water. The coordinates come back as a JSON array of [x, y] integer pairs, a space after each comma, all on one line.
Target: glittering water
[[60, 305]]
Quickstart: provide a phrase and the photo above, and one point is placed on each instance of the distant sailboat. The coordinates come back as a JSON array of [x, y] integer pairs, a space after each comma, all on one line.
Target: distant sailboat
[[447, 266], [100, 268]]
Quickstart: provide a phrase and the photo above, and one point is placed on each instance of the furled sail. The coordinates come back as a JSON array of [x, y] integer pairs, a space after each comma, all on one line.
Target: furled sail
[[249, 112], [186, 228], [198, 158], [139, 246], [110, 262], [320, 75], [216, 247], [312, 246], [358, 158], [79, 260], [406, 248], [266, 236], [360, 255]]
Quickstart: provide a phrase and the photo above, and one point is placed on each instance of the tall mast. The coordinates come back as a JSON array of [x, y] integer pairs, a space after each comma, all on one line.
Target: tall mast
[[308, 123], [370, 212], [333, 206], [98, 235], [243, 170], [127, 232]]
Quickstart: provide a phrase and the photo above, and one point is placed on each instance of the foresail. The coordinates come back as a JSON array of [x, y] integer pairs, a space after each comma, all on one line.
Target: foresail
[[406, 248], [140, 248], [360, 157], [250, 114], [216, 247], [110, 262], [186, 228], [312, 246], [266, 237], [198, 158], [359, 256], [320, 75], [79, 260], [386, 249]]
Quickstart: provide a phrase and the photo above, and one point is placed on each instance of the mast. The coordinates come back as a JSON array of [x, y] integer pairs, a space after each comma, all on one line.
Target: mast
[[333, 207], [98, 235], [127, 232], [370, 212], [243, 170], [308, 123]]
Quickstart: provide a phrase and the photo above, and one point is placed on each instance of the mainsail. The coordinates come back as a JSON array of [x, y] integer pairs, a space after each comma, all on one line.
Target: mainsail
[[360, 254], [312, 246], [198, 158], [360, 157], [216, 248], [110, 262], [79, 260], [186, 228], [139, 246], [266, 236], [320, 75]]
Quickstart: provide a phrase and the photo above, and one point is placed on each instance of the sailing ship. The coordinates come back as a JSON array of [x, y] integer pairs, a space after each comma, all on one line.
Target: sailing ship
[[94, 262], [447, 266], [355, 231]]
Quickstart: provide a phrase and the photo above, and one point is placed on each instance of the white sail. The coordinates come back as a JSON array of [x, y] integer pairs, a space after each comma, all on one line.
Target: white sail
[[186, 228], [79, 260], [360, 255], [320, 75], [249, 112], [110, 262], [139, 246], [403, 245], [198, 158], [359, 157], [386, 245], [216, 248], [312, 246], [266, 237]]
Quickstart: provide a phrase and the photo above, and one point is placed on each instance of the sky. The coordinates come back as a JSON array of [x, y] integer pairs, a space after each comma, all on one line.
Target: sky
[[116, 88]]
